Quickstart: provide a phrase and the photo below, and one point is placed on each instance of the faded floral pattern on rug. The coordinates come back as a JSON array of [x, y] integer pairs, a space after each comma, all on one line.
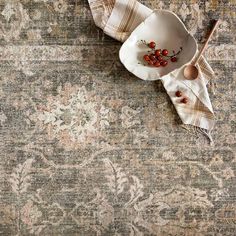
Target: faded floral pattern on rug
[[88, 149]]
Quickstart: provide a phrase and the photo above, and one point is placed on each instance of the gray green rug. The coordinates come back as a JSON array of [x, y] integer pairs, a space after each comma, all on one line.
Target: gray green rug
[[88, 149]]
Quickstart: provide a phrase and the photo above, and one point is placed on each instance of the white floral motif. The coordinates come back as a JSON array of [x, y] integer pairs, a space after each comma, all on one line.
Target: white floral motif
[[8, 11], [21, 20], [37, 15], [60, 6], [78, 117], [34, 35], [3, 118], [228, 173], [197, 18], [116, 178], [157, 4], [226, 51], [30, 214], [219, 194], [194, 171], [143, 211], [169, 156], [128, 117], [216, 160], [20, 178], [140, 137], [183, 11], [195, 13], [226, 214], [105, 117], [24, 67]]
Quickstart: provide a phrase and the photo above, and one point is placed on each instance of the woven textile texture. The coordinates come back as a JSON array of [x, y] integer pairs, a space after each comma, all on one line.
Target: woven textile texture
[[88, 149]]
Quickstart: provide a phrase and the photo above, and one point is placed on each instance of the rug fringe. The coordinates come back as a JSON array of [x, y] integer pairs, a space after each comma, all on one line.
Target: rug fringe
[[197, 130], [207, 133]]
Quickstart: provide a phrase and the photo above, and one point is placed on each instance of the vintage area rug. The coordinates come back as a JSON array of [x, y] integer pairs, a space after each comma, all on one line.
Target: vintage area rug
[[88, 149]]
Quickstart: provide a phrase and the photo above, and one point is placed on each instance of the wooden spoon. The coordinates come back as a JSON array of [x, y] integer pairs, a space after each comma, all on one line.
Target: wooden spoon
[[191, 71]]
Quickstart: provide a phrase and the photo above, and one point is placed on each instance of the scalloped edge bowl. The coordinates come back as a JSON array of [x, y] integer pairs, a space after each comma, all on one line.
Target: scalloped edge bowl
[[168, 31]]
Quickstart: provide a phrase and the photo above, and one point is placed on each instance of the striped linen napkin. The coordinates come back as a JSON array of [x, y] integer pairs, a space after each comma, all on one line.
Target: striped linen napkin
[[118, 18]]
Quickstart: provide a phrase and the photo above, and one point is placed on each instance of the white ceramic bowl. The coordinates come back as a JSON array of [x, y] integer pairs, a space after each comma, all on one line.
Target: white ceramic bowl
[[167, 30]]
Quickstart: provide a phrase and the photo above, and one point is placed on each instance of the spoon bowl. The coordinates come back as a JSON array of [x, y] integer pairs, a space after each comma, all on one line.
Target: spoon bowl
[[190, 72]]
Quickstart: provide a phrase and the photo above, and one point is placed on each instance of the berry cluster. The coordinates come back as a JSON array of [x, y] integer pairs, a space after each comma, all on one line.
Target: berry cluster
[[180, 94], [159, 57]]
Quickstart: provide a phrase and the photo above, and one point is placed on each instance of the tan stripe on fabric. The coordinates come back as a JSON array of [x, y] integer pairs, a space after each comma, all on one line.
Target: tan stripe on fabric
[[109, 5], [197, 109], [123, 22], [125, 16], [130, 20], [193, 110], [206, 72], [198, 106], [205, 68]]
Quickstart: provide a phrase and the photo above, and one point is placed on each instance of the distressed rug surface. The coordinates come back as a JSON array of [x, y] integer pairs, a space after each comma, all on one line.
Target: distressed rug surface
[[88, 149]]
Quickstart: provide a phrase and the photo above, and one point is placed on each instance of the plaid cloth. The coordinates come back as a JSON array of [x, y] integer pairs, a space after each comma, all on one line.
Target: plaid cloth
[[118, 18]]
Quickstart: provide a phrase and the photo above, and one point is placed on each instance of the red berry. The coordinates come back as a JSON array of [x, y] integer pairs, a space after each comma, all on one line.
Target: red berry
[[184, 100], [164, 63], [152, 57], [178, 93], [152, 45], [158, 52], [146, 58], [159, 58], [174, 59], [157, 64], [165, 52], [151, 63]]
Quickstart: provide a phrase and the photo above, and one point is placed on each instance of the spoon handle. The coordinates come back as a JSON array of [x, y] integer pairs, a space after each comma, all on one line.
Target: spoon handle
[[206, 43]]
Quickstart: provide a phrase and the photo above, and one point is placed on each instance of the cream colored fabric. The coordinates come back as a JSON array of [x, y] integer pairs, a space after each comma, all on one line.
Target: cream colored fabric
[[118, 19]]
